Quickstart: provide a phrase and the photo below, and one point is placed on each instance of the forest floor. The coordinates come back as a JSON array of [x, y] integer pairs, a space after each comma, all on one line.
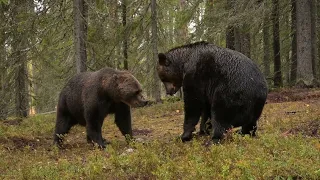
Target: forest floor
[[287, 146]]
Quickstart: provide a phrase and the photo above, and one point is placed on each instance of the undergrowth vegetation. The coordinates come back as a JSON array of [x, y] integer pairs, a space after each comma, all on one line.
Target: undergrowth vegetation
[[287, 147]]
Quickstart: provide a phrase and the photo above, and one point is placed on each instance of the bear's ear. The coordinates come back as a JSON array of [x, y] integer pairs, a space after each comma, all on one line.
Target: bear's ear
[[120, 78], [163, 61]]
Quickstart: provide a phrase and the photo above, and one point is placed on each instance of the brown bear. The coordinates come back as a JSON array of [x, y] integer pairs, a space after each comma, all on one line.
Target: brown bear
[[223, 85], [89, 97]]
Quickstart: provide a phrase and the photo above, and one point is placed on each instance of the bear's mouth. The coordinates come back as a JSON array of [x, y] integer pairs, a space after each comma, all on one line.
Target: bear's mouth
[[171, 93], [136, 103], [171, 88]]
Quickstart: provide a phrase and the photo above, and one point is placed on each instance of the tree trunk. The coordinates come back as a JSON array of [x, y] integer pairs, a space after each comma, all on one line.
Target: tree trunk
[[286, 52], [266, 45], [242, 40], [314, 49], [241, 32], [21, 77], [125, 34], [181, 30], [80, 11], [230, 38], [19, 57], [318, 34], [245, 42], [198, 19], [304, 44], [149, 66], [154, 41], [293, 70], [118, 50], [207, 20], [3, 71], [237, 37], [276, 44], [2, 47]]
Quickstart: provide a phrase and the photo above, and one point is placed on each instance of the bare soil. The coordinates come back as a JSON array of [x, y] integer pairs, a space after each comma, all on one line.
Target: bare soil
[[141, 132], [296, 94], [310, 128], [19, 143], [12, 122]]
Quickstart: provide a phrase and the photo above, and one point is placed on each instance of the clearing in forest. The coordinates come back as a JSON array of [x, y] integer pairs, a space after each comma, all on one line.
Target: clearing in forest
[[287, 146]]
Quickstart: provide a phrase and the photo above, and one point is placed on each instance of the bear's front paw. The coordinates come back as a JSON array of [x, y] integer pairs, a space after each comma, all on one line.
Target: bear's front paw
[[216, 141], [58, 139], [102, 146], [186, 137]]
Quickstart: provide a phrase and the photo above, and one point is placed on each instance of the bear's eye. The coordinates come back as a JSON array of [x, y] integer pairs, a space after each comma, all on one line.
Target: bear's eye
[[135, 93]]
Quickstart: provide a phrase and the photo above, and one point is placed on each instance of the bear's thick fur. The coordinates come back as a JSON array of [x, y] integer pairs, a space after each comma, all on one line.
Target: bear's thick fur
[[224, 82], [89, 97]]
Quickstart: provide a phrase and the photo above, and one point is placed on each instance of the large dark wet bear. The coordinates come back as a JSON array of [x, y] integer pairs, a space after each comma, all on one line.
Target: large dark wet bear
[[89, 97], [224, 85]]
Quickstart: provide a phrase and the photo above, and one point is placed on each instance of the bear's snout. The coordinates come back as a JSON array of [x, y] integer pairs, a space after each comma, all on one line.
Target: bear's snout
[[171, 89], [146, 103], [171, 92], [137, 101], [141, 103]]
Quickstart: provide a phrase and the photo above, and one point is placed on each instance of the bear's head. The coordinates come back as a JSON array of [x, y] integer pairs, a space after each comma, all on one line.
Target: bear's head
[[127, 89], [169, 74]]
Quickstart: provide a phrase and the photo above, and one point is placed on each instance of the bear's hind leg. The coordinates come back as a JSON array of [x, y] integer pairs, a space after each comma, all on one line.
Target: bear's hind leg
[[94, 135], [250, 129], [205, 123], [218, 131], [64, 123], [218, 128]]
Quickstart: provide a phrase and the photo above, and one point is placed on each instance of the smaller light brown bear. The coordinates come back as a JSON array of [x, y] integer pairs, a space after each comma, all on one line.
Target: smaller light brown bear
[[89, 97]]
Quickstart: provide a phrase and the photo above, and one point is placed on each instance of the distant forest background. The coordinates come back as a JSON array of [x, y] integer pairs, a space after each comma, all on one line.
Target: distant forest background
[[43, 43]]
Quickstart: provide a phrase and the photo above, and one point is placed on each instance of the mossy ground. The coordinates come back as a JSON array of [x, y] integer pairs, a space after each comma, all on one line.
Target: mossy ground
[[287, 147]]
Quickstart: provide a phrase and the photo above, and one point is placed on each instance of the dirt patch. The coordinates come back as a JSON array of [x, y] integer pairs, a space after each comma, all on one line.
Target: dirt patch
[[293, 177], [139, 132], [288, 95], [12, 122], [310, 128], [169, 114], [19, 143]]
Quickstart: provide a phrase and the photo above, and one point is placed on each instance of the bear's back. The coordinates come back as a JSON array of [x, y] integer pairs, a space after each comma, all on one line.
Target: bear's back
[[229, 71], [228, 65]]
